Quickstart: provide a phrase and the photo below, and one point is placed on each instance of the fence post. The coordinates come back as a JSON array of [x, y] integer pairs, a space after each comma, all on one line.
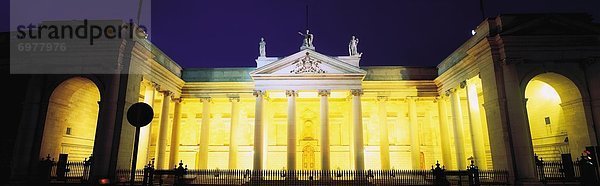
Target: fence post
[[62, 167], [87, 164], [567, 166], [150, 172], [180, 172], [473, 172], [439, 175], [146, 176], [247, 175], [45, 169], [539, 163]]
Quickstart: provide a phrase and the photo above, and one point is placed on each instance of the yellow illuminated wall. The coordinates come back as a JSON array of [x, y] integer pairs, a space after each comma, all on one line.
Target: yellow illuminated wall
[[557, 98], [308, 135], [543, 103], [71, 119], [308, 131]]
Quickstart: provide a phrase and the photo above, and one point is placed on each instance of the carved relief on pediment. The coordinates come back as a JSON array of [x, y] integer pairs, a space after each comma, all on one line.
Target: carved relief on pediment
[[307, 65]]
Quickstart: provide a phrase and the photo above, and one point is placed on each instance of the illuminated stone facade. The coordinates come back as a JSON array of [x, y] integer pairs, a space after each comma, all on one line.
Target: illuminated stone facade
[[305, 99], [519, 86]]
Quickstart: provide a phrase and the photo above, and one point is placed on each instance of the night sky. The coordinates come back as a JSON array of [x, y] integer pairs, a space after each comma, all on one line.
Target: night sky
[[410, 33], [225, 33]]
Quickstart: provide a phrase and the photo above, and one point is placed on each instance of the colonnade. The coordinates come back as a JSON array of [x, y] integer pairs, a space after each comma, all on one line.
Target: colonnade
[[456, 129]]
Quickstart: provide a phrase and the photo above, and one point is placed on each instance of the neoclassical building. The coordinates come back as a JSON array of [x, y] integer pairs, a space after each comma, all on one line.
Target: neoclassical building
[[521, 85]]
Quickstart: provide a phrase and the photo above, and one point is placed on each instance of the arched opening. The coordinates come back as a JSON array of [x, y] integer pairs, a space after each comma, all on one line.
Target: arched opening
[[71, 120], [556, 116]]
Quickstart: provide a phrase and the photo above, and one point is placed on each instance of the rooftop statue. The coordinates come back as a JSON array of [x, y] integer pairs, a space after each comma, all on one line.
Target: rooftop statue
[[262, 47], [307, 42], [353, 46]]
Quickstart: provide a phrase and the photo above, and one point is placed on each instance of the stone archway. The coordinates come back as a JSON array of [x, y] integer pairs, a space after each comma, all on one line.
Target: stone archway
[[71, 120], [556, 116]]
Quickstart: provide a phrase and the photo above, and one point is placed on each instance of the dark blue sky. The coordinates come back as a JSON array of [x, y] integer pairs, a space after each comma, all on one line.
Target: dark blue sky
[[413, 33], [225, 33]]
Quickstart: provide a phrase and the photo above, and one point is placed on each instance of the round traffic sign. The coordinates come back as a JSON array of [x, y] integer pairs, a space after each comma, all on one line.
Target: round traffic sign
[[140, 114]]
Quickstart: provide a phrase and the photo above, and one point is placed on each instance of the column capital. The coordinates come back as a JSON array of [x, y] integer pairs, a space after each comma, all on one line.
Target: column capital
[[149, 83], [154, 85], [177, 100], [205, 99], [257, 93], [439, 98], [290, 93], [166, 92], [382, 98], [463, 84], [324, 92], [356, 92], [234, 99], [450, 91]]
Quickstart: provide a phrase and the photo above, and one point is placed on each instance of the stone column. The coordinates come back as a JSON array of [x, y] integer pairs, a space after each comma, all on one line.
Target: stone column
[[459, 137], [204, 135], [258, 130], [145, 132], [359, 152], [477, 137], [174, 151], [161, 147], [349, 122], [444, 136], [514, 112], [234, 132], [25, 156], [325, 161], [267, 116], [415, 143], [291, 129], [109, 119], [384, 143]]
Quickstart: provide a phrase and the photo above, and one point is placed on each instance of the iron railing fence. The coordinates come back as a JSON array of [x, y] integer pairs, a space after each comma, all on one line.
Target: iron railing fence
[[436, 176], [78, 172], [556, 171], [124, 175], [493, 177], [65, 172]]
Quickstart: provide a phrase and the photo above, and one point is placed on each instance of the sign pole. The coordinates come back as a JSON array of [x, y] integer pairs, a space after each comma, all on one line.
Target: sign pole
[[136, 143], [139, 115]]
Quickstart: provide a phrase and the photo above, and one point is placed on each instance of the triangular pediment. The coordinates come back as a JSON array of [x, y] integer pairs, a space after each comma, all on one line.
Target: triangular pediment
[[549, 25], [307, 63]]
